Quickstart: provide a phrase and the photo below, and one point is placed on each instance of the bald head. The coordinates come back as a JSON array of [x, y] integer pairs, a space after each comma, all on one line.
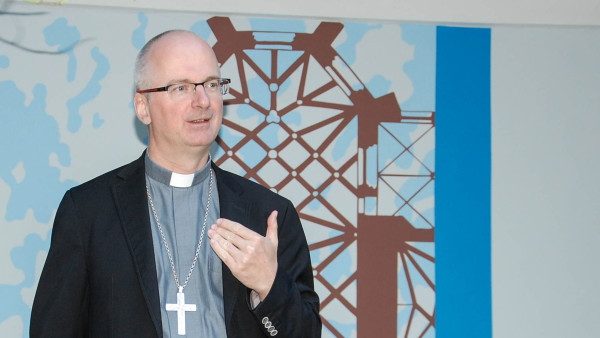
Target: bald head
[[169, 44]]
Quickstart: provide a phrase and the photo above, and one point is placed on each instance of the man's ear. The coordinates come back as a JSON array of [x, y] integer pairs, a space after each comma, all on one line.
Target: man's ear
[[142, 108]]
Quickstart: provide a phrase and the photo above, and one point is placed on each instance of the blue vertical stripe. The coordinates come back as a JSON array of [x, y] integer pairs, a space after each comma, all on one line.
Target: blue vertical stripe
[[463, 183]]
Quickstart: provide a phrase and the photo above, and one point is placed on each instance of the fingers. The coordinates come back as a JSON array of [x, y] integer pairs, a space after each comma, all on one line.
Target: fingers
[[251, 257], [220, 245], [231, 239], [272, 227]]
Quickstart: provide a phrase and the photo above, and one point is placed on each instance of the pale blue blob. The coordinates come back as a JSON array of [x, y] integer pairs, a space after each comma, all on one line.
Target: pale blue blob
[[293, 118], [325, 193], [315, 255], [426, 265], [259, 92], [421, 70], [430, 333], [370, 205], [412, 186], [346, 329], [60, 34], [230, 138], [429, 163], [344, 140], [4, 61], [202, 29], [252, 153], [98, 121], [138, 37], [314, 205], [262, 58], [32, 135], [404, 312], [11, 296], [285, 59], [416, 277], [269, 135], [337, 272], [273, 117], [246, 111], [393, 139], [355, 33], [285, 86], [379, 86], [23, 258], [91, 90], [425, 217], [404, 290]]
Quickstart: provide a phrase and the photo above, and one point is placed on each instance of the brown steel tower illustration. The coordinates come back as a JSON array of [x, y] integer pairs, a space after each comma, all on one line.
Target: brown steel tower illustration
[[300, 121]]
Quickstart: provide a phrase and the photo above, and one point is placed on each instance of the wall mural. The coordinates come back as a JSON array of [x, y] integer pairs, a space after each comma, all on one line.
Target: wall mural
[[336, 116]]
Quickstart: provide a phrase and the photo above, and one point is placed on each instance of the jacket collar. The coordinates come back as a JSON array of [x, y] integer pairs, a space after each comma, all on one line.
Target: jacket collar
[[132, 205]]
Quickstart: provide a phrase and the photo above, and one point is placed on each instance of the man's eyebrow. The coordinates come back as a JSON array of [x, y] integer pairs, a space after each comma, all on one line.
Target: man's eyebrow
[[187, 80], [214, 77], [180, 81]]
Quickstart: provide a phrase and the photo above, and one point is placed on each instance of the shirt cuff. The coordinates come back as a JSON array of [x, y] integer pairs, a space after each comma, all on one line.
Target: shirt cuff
[[254, 299]]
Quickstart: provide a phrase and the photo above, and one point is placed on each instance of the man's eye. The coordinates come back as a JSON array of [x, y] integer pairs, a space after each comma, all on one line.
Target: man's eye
[[212, 84], [180, 88]]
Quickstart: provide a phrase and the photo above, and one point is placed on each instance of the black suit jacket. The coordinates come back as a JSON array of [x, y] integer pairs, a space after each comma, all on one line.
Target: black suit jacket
[[99, 279]]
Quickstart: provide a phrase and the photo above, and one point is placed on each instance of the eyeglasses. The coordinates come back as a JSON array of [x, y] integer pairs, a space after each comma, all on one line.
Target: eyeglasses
[[185, 90]]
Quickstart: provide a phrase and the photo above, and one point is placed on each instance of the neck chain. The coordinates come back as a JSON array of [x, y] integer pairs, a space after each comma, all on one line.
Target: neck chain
[[164, 240]]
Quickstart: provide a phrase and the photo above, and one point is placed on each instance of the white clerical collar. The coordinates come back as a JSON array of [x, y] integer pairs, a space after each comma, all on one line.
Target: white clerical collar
[[174, 179], [181, 180]]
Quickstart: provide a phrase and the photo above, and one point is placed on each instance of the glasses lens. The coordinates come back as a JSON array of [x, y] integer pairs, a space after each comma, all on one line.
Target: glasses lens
[[224, 84], [181, 90]]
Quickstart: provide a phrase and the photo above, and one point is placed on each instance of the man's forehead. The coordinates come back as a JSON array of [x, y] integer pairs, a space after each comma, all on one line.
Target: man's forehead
[[178, 41], [181, 50]]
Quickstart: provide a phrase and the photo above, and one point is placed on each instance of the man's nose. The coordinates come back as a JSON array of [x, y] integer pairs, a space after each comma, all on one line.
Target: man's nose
[[201, 99]]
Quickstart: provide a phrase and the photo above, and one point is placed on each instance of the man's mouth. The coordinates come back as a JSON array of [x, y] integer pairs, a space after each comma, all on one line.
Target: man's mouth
[[199, 120]]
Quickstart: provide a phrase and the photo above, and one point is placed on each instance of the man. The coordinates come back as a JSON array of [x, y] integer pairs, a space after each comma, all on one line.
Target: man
[[129, 257]]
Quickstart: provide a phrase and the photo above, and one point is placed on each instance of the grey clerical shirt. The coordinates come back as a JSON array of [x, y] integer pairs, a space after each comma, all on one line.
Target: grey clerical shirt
[[180, 204]]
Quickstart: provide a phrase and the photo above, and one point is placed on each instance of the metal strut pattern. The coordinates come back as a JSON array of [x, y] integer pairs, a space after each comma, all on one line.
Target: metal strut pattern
[[358, 169]]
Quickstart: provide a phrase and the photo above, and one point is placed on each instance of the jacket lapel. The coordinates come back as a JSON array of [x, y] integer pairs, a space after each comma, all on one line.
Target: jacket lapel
[[235, 208], [132, 206]]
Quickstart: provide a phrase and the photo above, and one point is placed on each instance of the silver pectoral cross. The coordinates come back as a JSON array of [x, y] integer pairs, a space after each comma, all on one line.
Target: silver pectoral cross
[[181, 307]]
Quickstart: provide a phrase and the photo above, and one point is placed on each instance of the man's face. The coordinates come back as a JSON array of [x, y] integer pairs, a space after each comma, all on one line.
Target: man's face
[[181, 126]]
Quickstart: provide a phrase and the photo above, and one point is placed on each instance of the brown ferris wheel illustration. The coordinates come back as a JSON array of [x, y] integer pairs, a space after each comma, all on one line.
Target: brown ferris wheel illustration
[[358, 169]]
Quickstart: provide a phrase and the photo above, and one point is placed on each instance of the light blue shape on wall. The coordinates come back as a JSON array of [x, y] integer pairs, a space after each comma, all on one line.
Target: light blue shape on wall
[[138, 37], [4, 61], [40, 187], [91, 90], [66, 38]]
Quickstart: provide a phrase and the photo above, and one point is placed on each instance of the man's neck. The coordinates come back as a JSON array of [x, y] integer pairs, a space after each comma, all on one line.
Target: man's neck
[[179, 162]]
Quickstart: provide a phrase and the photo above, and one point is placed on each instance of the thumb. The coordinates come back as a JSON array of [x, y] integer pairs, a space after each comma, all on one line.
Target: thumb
[[272, 227]]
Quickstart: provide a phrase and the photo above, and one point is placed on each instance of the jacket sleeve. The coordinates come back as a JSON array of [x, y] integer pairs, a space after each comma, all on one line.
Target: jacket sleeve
[[291, 309], [61, 301]]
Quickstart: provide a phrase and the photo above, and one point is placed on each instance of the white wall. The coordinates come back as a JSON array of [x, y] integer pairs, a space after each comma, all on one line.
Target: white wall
[[545, 186], [540, 12]]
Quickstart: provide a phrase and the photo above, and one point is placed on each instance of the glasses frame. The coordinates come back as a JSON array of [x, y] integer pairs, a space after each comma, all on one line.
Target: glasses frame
[[222, 83]]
